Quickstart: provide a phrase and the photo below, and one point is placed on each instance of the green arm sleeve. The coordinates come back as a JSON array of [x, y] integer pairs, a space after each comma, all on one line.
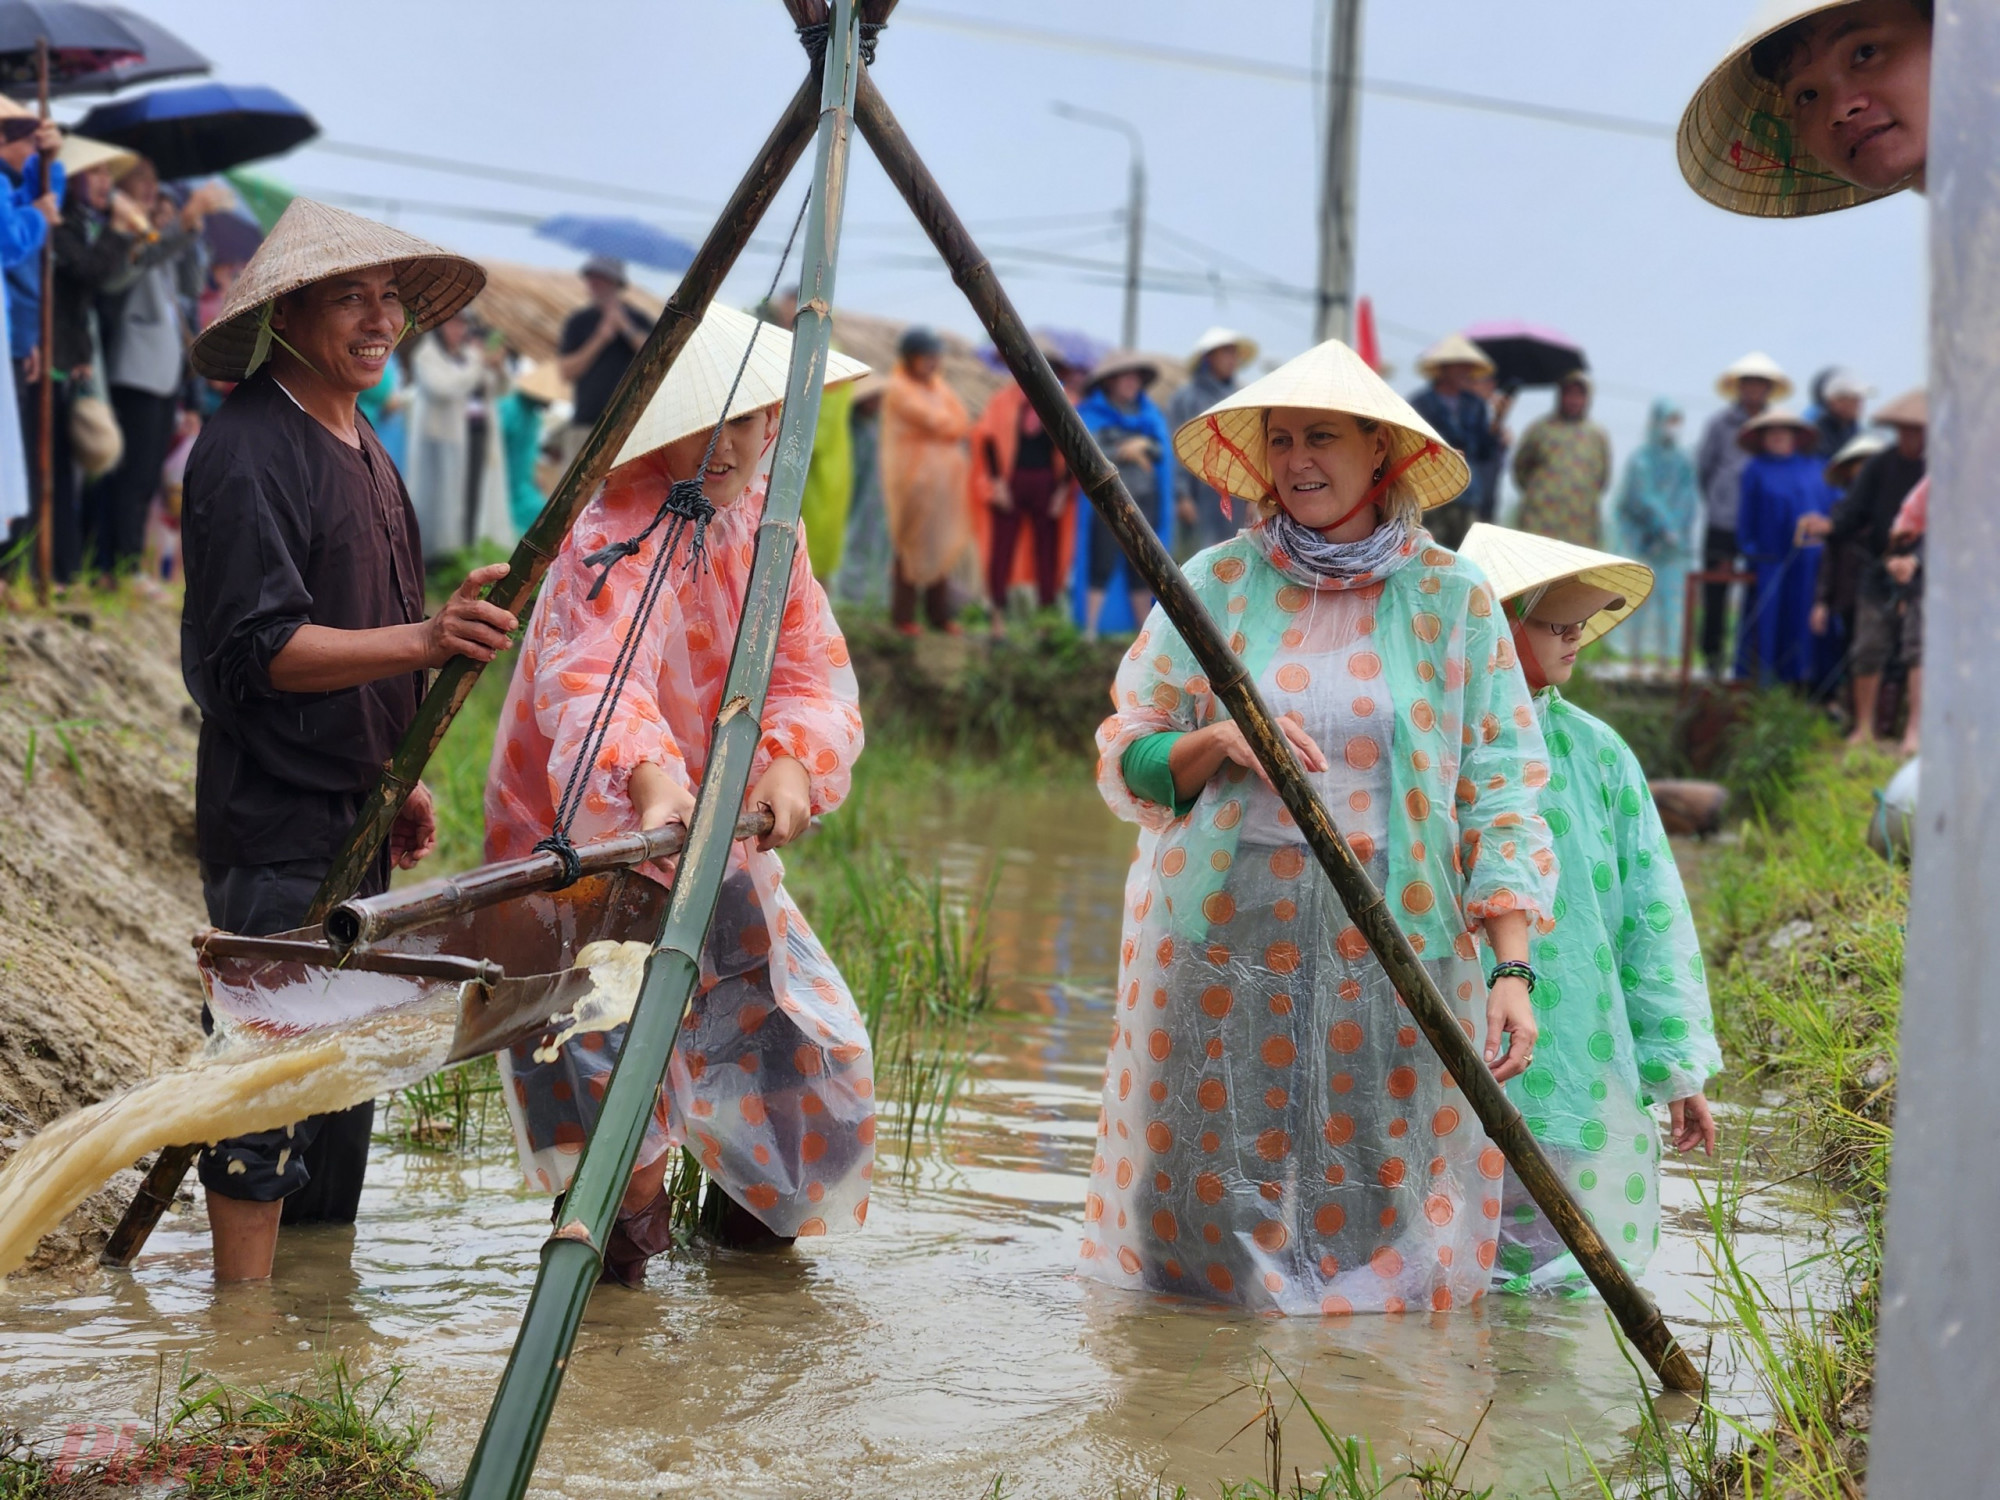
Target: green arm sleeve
[[1148, 774]]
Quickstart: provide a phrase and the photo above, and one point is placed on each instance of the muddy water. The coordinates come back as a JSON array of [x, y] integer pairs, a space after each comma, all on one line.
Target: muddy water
[[944, 1347]]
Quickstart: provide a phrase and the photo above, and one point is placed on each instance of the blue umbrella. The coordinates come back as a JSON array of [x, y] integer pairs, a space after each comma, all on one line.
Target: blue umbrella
[[628, 239], [202, 128]]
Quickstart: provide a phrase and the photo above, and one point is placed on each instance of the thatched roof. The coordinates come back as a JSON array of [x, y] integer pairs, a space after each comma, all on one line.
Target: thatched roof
[[528, 304]]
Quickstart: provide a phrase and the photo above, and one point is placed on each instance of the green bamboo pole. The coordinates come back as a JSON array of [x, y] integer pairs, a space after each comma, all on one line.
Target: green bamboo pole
[[504, 1461], [532, 556], [1634, 1310]]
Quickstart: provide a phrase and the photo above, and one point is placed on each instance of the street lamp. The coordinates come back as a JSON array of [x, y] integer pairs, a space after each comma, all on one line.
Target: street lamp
[[1135, 208]]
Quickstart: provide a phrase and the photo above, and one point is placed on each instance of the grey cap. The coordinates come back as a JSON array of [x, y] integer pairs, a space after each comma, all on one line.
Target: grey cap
[[610, 267]]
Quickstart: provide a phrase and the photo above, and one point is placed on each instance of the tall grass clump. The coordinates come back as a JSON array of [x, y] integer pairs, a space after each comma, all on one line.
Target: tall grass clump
[[333, 1439]]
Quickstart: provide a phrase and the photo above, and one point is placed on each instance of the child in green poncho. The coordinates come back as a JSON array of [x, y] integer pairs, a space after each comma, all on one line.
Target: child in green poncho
[[1620, 992]]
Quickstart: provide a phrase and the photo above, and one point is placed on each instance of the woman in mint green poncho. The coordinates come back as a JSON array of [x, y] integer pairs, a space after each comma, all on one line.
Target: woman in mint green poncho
[[1620, 996]]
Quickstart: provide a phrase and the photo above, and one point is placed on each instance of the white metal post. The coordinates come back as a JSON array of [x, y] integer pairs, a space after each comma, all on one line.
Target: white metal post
[[1937, 1386]]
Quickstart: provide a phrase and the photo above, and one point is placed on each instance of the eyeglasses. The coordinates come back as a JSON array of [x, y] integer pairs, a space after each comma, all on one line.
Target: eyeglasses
[[1563, 630]]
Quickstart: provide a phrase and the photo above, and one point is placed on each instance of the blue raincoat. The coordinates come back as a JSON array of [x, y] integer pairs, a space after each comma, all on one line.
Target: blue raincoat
[[1110, 425], [1653, 519], [1776, 643]]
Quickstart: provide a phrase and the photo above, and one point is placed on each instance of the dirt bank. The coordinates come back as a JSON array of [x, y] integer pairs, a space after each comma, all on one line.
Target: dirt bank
[[98, 886]]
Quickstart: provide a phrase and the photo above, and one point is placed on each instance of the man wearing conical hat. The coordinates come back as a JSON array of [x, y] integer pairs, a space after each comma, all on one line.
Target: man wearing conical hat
[[1820, 105], [1620, 992], [1749, 385], [1212, 368], [1462, 417], [304, 641]]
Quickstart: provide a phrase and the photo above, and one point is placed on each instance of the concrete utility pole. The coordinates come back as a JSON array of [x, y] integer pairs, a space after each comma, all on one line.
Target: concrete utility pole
[[1135, 208], [1340, 167], [1937, 1384]]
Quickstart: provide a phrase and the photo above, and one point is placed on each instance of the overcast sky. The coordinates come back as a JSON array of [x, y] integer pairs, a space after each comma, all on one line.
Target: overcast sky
[[1463, 215]]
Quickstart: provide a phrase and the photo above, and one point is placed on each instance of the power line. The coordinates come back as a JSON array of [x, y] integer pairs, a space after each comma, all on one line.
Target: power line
[[546, 180], [1251, 67]]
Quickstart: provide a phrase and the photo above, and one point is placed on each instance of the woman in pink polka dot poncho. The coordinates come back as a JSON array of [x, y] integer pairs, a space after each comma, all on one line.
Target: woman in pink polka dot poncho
[[1275, 1132], [771, 1085]]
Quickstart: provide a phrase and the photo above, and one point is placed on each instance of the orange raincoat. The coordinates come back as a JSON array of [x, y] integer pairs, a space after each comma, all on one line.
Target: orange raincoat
[[1000, 424], [772, 1082], [924, 426]]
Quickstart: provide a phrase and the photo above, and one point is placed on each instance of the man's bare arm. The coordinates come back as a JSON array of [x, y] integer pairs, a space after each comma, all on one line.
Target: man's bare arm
[[320, 659]]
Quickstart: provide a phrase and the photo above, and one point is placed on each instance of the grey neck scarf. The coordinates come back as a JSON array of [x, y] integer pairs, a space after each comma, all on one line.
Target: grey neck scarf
[[1372, 558]]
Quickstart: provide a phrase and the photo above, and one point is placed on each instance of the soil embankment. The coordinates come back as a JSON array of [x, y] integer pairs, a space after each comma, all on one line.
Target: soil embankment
[[98, 885]]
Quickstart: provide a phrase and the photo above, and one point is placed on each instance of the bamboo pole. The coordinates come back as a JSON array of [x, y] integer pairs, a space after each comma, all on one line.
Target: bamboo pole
[[369, 919], [532, 556], [1634, 1310], [571, 1259]]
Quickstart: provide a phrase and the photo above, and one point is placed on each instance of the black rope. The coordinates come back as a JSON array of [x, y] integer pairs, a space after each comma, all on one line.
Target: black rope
[[685, 513], [814, 38]]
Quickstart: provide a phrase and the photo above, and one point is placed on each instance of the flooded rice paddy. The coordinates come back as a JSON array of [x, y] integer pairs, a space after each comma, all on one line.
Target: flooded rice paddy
[[945, 1347]]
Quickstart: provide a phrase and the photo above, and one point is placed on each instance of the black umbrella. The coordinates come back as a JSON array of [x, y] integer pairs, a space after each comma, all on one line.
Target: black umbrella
[[166, 56], [81, 40], [1524, 354], [202, 127]]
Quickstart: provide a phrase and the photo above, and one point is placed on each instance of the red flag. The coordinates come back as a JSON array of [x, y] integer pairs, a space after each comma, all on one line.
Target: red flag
[[1365, 343]]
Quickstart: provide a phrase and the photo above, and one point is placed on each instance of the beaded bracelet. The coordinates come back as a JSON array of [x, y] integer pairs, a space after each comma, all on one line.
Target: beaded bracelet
[[1513, 968]]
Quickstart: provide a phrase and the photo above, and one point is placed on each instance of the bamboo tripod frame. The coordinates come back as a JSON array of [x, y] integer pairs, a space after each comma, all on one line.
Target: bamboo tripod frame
[[503, 1463]]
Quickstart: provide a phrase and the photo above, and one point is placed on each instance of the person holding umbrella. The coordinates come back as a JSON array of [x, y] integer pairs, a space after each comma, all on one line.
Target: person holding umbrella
[[1452, 404], [304, 641], [1563, 467]]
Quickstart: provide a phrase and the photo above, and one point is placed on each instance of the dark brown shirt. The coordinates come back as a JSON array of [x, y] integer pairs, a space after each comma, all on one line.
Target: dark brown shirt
[[284, 525]]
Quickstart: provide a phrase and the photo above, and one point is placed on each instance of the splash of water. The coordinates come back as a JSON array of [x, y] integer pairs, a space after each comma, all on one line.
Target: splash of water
[[240, 1084], [616, 970]]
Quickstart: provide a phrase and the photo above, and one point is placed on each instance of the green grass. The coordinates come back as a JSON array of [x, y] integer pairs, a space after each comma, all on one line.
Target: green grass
[[1803, 927], [334, 1439]]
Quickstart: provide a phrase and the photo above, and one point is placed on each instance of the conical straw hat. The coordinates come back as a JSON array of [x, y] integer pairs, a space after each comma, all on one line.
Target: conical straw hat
[[691, 398], [1861, 445], [543, 382], [1911, 409], [81, 152], [1755, 364], [1221, 338], [1225, 444], [1736, 145], [1777, 416], [1516, 562], [311, 242], [1453, 349]]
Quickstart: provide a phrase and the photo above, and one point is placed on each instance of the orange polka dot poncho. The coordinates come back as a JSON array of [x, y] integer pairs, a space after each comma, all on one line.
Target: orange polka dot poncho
[[1275, 1131], [772, 1083]]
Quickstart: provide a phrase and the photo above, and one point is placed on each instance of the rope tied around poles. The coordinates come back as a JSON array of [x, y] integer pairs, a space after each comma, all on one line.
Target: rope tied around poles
[[686, 514], [813, 38]]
